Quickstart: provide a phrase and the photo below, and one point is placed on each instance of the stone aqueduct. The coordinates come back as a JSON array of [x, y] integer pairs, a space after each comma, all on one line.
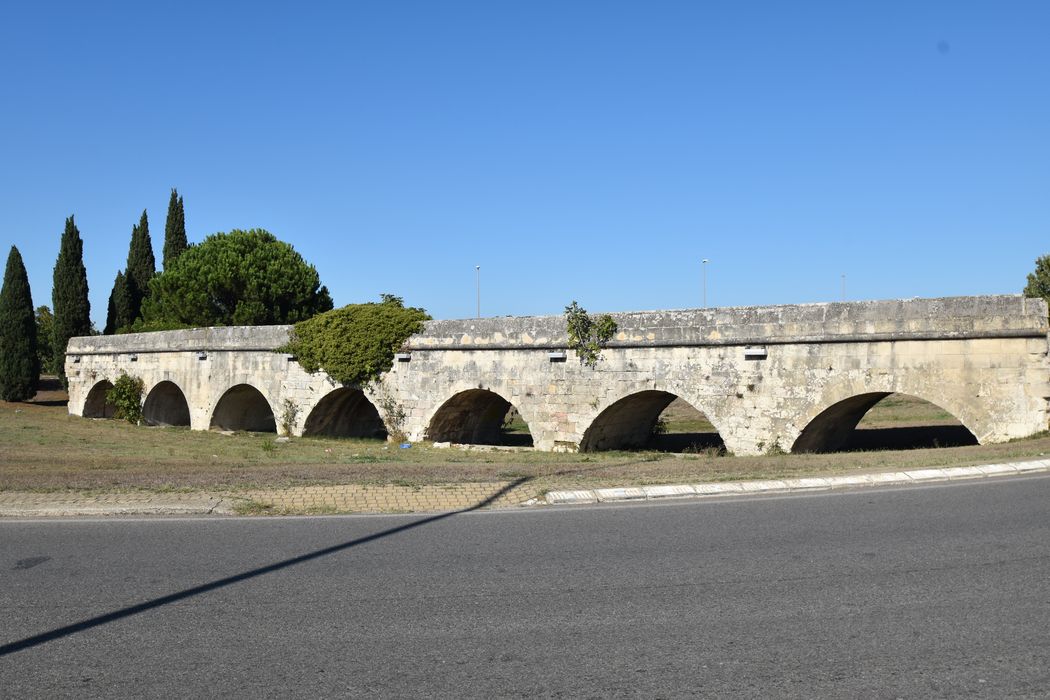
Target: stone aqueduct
[[797, 377]]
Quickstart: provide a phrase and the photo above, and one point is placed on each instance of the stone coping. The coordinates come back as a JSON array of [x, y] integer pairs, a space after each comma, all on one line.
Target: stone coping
[[1004, 316]]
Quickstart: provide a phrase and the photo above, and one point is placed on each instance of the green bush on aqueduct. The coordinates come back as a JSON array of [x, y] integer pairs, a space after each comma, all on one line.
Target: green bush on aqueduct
[[356, 343]]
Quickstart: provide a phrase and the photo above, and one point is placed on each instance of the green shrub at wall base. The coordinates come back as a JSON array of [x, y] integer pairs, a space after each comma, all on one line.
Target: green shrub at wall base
[[356, 343], [126, 397]]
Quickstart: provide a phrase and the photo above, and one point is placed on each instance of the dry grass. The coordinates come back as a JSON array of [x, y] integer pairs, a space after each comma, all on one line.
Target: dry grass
[[42, 448]]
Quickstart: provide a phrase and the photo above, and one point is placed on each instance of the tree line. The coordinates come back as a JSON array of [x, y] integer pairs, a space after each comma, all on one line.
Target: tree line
[[236, 278]]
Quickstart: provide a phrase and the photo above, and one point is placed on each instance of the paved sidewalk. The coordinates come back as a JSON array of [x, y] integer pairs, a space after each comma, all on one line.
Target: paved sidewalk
[[354, 498], [389, 498]]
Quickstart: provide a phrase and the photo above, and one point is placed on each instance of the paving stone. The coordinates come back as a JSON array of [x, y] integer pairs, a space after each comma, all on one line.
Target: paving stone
[[1038, 466], [564, 497], [963, 472], [623, 494], [888, 478], [849, 480], [769, 485], [668, 491], [716, 489], [807, 483], [997, 469], [925, 474]]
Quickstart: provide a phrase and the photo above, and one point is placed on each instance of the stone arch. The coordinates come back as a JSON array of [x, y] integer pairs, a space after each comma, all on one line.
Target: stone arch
[[345, 412], [166, 405], [243, 407], [833, 429], [628, 422], [474, 417], [96, 405]]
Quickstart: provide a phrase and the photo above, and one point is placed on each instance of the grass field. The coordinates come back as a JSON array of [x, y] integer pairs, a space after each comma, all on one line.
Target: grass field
[[42, 448]]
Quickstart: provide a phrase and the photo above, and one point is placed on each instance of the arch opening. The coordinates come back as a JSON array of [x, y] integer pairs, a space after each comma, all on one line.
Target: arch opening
[[97, 405], [882, 421], [655, 420], [345, 412], [479, 417], [243, 407], [166, 406]]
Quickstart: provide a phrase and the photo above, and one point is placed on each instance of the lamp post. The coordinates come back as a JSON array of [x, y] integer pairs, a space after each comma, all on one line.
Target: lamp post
[[705, 261], [477, 287]]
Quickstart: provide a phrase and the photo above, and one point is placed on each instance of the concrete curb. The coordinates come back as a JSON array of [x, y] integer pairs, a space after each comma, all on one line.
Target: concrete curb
[[42, 509], [736, 488]]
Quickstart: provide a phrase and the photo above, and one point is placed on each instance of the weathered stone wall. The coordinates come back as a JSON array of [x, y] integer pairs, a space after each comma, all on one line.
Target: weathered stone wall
[[984, 359]]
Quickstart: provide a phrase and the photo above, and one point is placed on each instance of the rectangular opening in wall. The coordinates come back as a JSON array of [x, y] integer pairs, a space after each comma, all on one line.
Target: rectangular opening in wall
[[752, 352]]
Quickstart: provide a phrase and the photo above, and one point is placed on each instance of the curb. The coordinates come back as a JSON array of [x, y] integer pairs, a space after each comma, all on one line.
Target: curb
[[211, 506], [736, 488]]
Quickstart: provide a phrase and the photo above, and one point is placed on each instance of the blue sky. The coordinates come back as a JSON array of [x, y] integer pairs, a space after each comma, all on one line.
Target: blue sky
[[594, 151]]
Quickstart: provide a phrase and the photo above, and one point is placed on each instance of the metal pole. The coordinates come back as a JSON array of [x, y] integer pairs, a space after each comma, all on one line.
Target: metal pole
[[705, 281], [477, 286]]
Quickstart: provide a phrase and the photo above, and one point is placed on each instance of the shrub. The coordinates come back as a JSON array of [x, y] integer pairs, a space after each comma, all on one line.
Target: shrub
[[394, 418], [126, 397], [289, 414], [356, 343], [588, 336]]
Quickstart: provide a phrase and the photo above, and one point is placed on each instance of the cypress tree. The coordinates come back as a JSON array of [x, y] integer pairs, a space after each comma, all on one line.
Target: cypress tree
[[174, 230], [69, 296], [19, 364], [141, 265], [118, 314]]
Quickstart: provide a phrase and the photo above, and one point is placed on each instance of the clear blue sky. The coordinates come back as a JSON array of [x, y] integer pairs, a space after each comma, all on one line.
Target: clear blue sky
[[594, 151]]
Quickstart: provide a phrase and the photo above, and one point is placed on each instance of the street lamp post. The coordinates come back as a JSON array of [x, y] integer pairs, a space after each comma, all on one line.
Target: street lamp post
[[705, 261], [477, 287]]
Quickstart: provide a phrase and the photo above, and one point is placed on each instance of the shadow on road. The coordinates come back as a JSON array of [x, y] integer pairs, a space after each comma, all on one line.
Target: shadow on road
[[83, 625]]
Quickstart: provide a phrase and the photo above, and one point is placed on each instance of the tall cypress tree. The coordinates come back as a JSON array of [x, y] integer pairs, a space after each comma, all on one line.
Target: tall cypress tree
[[69, 296], [141, 265], [174, 229], [19, 364], [118, 315]]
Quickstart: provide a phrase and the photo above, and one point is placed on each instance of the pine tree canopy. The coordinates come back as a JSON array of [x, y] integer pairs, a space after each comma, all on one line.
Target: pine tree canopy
[[19, 364], [233, 279], [69, 295]]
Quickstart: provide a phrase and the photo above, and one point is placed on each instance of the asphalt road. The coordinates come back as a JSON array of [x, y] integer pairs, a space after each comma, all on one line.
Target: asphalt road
[[940, 591]]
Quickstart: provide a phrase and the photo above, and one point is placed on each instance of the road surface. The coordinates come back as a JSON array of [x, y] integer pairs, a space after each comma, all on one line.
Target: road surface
[[939, 591]]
